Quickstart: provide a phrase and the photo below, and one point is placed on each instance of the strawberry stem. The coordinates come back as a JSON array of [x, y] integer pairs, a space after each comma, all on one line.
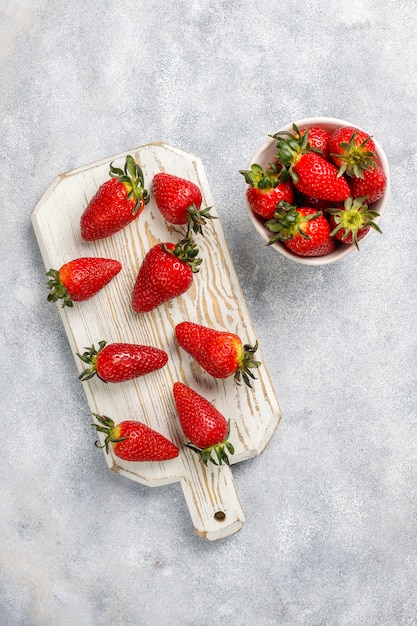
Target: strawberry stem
[[58, 289], [90, 358], [246, 363], [106, 425], [291, 146], [186, 251], [353, 217], [197, 219], [217, 449], [132, 177], [288, 222], [355, 158], [268, 178]]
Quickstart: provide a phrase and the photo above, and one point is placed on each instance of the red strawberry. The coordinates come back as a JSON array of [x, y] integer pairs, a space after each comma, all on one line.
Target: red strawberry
[[267, 188], [317, 138], [351, 222], [179, 201], [303, 230], [117, 202], [312, 175], [81, 279], [134, 441], [166, 273], [352, 150], [118, 362], [220, 353], [204, 426], [372, 185]]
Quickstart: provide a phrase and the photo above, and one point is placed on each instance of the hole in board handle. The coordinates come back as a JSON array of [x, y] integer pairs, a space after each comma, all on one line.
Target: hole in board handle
[[220, 516]]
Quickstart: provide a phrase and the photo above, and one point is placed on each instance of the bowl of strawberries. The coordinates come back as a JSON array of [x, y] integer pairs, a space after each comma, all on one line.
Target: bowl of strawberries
[[316, 189]]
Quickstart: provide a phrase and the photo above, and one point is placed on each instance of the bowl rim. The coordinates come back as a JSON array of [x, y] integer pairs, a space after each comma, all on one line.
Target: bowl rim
[[344, 249]]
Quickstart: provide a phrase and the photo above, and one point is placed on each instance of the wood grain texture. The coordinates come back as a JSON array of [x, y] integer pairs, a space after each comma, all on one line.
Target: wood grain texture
[[215, 300]]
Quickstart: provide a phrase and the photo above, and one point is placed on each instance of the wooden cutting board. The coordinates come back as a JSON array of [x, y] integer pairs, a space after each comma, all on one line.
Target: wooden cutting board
[[215, 300]]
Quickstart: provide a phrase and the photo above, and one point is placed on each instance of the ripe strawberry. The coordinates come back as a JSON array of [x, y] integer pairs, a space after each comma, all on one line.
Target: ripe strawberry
[[220, 353], [352, 150], [166, 273], [312, 175], [351, 222], [317, 138], [179, 201], [204, 426], [118, 362], [117, 202], [372, 185], [134, 441], [80, 279], [267, 188], [302, 230]]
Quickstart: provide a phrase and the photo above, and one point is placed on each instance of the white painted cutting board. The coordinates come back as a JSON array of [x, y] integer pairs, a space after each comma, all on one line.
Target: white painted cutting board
[[215, 300]]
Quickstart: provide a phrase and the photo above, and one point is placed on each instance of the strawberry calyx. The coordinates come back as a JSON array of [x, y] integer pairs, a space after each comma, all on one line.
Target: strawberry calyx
[[197, 218], [217, 453], [132, 177], [186, 251], [355, 157], [291, 146], [58, 289], [288, 222], [353, 217], [245, 364], [267, 178], [106, 425], [90, 358]]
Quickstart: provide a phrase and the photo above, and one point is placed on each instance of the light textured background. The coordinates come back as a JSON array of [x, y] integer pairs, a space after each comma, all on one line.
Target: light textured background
[[331, 505]]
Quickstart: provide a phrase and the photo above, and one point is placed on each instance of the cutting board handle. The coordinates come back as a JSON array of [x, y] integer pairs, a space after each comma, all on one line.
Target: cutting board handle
[[212, 500]]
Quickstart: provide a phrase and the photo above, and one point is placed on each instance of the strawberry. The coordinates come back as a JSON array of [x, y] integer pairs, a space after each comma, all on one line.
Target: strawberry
[[166, 272], [204, 426], [134, 441], [266, 188], [372, 185], [117, 202], [80, 279], [302, 230], [118, 362], [220, 353], [352, 150], [351, 222], [312, 175], [179, 201], [317, 138]]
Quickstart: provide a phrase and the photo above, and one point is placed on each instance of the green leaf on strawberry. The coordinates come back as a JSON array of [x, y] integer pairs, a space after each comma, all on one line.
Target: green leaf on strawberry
[[352, 221], [353, 151], [132, 178], [186, 251]]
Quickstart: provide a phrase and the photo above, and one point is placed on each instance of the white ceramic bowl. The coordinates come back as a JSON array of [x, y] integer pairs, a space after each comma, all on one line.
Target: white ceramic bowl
[[266, 154]]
